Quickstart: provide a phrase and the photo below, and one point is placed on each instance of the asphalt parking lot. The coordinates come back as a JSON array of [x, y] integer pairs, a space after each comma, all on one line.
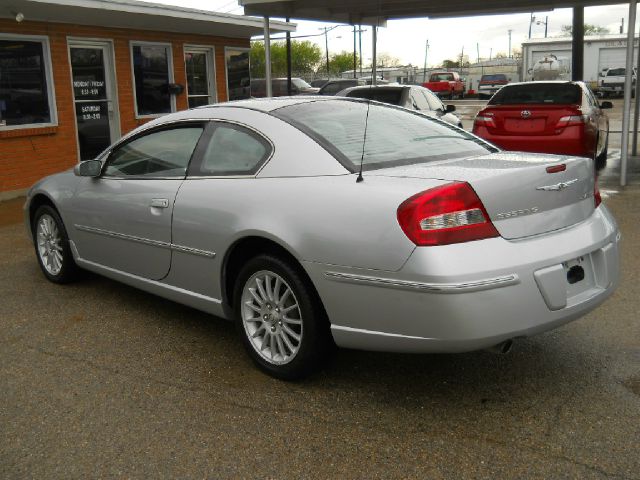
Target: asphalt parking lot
[[100, 380]]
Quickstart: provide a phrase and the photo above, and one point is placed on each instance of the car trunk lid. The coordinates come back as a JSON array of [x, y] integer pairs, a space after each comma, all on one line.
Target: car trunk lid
[[523, 120], [520, 195]]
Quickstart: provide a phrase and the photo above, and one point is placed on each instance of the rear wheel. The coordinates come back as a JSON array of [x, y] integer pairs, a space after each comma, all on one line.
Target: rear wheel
[[52, 246], [601, 160], [279, 319]]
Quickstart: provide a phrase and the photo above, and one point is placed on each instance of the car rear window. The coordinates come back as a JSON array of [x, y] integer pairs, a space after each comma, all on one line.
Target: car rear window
[[552, 93], [441, 77], [384, 95], [394, 136], [616, 72], [493, 78]]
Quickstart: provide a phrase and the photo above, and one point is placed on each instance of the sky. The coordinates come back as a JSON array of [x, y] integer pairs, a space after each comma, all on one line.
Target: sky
[[406, 39]]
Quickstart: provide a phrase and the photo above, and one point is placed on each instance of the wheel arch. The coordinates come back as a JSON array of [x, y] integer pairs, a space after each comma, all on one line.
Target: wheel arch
[[248, 247], [38, 200]]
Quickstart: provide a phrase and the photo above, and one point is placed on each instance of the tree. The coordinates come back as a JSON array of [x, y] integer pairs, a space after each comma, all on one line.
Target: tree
[[338, 63], [567, 30], [387, 60], [450, 64], [305, 58]]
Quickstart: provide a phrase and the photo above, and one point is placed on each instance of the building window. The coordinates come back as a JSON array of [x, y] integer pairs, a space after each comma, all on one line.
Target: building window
[[200, 75], [26, 88], [238, 73], [152, 73]]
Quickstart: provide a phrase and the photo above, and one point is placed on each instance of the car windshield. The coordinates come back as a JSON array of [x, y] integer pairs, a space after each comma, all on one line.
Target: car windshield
[[384, 95], [441, 77], [616, 72], [394, 136], [493, 78], [300, 83], [543, 93]]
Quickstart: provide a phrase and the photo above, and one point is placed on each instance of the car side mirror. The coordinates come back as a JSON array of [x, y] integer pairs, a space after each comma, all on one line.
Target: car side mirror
[[88, 168], [450, 108], [606, 105]]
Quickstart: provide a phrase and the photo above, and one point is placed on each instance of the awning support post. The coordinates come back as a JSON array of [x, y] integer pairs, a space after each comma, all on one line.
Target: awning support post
[[289, 88], [626, 111], [577, 45], [636, 112], [267, 58], [374, 73]]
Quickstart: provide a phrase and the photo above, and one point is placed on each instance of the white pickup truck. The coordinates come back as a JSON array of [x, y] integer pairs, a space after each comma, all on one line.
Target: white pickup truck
[[612, 81]]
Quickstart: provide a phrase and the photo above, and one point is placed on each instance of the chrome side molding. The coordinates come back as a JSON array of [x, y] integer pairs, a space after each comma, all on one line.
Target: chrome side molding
[[484, 284]]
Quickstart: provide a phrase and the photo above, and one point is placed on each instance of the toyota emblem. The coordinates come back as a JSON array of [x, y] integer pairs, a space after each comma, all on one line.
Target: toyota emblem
[[525, 114]]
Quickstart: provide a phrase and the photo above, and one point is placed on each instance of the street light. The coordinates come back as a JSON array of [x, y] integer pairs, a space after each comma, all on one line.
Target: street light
[[539, 22]]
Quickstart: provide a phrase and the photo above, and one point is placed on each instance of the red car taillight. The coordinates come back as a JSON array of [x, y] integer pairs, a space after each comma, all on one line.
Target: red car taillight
[[451, 213], [596, 193], [485, 120], [571, 121]]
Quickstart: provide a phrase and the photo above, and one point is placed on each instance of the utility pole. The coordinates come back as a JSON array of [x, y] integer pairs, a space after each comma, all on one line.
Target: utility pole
[[424, 72], [546, 26], [509, 55], [360, 46], [354, 53], [531, 20], [326, 45], [622, 25]]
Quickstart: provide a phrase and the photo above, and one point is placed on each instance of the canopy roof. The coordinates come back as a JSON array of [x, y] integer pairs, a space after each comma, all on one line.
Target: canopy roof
[[374, 12], [140, 16]]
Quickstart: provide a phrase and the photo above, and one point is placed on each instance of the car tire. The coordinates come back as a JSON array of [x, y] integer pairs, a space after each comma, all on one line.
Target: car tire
[[280, 319], [52, 248], [601, 160]]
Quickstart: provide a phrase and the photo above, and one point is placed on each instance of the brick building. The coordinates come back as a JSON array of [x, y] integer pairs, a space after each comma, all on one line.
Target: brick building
[[75, 75]]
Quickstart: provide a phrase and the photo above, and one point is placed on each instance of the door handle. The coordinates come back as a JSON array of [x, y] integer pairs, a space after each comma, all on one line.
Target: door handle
[[160, 202]]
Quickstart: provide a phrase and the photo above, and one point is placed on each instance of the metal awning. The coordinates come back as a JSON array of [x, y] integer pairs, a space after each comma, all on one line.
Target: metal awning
[[377, 12], [139, 16], [372, 12]]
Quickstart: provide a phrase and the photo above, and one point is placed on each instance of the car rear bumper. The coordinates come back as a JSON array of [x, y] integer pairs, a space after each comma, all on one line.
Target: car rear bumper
[[474, 295], [570, 142]]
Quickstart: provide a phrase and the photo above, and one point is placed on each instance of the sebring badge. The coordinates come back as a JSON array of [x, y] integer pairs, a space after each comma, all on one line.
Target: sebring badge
[[557, 186], [517, 213]]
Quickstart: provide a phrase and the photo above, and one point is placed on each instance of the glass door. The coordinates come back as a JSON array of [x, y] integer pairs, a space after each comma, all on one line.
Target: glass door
[[92, 93], [200, 85]]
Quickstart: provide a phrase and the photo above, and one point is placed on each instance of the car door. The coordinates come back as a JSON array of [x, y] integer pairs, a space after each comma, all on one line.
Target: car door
[[217, 191], [122, 219]]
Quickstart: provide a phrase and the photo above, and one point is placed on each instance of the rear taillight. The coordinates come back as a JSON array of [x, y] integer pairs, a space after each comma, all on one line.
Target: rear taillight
[[451, 213], [596, 193], [485, 120], [571, 121]]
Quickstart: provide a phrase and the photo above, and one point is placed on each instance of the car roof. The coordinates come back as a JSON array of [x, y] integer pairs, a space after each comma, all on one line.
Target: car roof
[[378, 87], [539, 82]]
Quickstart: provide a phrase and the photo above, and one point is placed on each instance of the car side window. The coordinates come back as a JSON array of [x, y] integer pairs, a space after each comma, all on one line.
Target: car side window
[[161, 153], [232, 150], [434, 101], [419, 100]]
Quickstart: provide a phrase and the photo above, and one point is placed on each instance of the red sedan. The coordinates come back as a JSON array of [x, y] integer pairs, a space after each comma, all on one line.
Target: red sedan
[[547, 117]]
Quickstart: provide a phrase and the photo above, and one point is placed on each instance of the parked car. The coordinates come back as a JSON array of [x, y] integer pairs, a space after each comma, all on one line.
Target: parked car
[[490, 84], [283, 215], [446, 84], [551, 67], [279, 87], [408, 96], [319, 82], [612, 81], [334, 86], [548, 117]]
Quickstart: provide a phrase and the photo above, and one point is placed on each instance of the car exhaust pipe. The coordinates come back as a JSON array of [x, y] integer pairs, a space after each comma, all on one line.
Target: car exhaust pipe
[[501, 348]]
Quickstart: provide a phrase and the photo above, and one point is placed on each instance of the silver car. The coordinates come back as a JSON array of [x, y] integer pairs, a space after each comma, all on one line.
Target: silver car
[[322, 221], [412, 97]]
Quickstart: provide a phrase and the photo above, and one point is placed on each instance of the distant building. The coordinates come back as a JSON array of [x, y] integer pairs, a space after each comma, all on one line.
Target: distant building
[[402, 74], [600, 52], [77, 75]]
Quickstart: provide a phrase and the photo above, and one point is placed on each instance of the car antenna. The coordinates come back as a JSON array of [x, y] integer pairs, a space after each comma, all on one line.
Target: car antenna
[[364, 143]]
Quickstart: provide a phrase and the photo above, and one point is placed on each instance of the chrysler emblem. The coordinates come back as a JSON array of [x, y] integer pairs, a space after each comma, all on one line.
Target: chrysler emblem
[[525, 114], [557, 186]]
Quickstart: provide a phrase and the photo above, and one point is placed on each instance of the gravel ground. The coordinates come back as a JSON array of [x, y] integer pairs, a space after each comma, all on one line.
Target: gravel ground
[[98, 380]]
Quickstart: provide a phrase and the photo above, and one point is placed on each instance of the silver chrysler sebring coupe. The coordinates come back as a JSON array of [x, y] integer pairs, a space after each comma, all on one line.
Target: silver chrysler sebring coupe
[[314, 222]]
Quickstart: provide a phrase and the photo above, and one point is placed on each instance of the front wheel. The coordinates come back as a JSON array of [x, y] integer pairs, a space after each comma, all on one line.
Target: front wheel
[[52, 246], [280, 321]]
